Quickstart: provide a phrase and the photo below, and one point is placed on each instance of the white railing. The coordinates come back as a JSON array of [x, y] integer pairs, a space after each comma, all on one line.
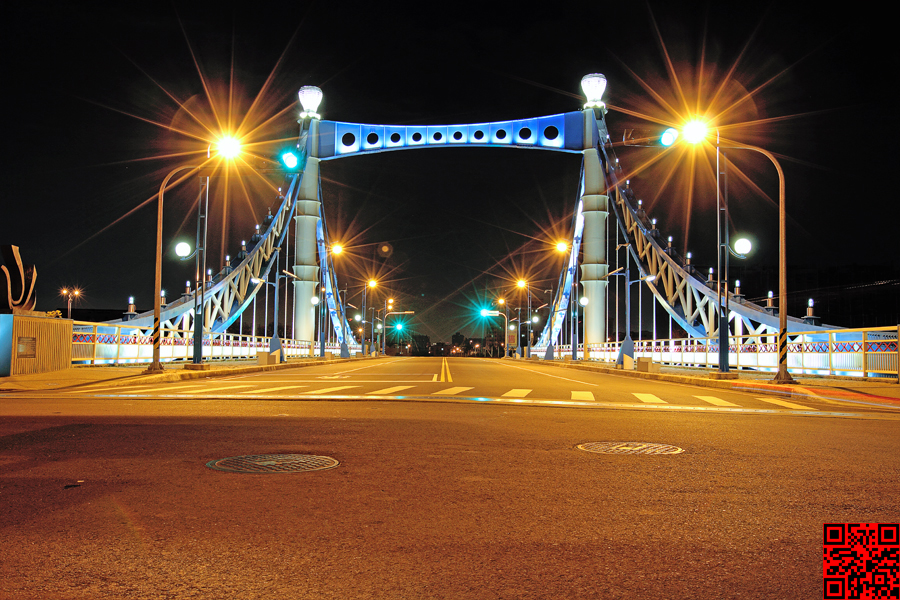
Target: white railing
[[104, 343], [870, 352]]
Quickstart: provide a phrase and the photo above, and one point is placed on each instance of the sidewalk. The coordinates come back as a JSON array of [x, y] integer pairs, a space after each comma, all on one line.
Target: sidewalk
[[848, 389], [117, 375]]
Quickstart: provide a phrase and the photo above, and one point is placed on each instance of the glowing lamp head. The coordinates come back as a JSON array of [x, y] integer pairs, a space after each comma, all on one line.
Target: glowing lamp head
[[337, 249], [183, 249], [484, 312], [593, 86], [535, 319], [310, 98], [562, 247], [358, 317], [314, 300], [810, 303], [228, 147], [695, 131], [501, 301], [583, 301], [743, 246], [521, 283], [372, 283], [398, 326], [669, 137], [771, 294]]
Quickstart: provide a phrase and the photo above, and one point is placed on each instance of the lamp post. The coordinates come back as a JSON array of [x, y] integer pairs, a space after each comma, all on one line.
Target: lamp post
[[70, 295], [156, 364], [524, 285], [370, 284], [696, 132]]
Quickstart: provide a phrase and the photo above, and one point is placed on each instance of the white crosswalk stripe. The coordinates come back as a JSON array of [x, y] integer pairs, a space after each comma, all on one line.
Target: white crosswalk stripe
[[786, 404], [716, 401], [330, 389], [649, 398], [582, 395], [452, 391], [390, 390], [516, 393], [274, 389]]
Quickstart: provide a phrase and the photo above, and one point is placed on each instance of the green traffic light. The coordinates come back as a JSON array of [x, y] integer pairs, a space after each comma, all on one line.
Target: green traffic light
[[669, 136], [290, 160]]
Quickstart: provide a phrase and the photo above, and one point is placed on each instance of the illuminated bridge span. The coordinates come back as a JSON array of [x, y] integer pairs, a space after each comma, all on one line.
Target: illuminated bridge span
[[688, 299]]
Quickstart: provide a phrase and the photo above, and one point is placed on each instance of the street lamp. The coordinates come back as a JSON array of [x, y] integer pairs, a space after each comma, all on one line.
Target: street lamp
[[70, 295], [696, 131], [370, 284], [524, 285], [228, 147]]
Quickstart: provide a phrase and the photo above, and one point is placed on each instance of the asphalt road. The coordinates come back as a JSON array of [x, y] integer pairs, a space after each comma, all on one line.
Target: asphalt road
[[441, 492]]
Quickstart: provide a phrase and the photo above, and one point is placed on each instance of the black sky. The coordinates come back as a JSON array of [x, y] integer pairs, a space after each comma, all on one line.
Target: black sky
[[87, 86]]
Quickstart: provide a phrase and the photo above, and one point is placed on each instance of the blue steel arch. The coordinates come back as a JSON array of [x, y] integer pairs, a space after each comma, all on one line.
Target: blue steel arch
[[561, 133]]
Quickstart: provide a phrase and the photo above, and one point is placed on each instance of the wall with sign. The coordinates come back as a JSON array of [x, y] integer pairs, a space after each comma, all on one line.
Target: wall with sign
[[34, 344]]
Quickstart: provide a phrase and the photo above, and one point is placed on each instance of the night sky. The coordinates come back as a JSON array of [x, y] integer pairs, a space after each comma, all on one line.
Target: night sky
[[103, 100]]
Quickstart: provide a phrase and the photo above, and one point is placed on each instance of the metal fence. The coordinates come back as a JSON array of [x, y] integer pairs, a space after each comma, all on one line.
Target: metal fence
[[103, 343], [870, 352]]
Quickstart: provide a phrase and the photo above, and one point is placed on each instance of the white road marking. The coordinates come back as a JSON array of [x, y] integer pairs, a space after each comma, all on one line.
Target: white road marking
[[390, 390], [453, 390], [517, 393], [582, 395], [329, 390], [785, 404], [649, 398], [274, 389], [716, 401]]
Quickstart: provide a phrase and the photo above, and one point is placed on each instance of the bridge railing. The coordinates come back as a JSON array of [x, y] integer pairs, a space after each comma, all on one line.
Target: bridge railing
[[869, 352], [105, 343]]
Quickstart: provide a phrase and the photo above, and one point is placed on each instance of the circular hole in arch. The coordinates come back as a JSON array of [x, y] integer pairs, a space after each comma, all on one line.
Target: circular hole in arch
[[457, 135], [501, 134], [372, 139], [525, 134], [478, 135], [551, 132], [395, 138], [417, 137], [348, 139], [437, 136]]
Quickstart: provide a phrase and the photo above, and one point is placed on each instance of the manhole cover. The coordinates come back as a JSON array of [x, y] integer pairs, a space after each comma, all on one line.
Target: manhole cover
[[629, 448], [273, 463]]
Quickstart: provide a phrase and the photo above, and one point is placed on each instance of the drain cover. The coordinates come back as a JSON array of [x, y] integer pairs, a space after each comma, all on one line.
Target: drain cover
[[273, 463], [629, 448]]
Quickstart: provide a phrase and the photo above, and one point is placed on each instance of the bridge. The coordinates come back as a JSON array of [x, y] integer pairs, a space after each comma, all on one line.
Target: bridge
[[724, 329]]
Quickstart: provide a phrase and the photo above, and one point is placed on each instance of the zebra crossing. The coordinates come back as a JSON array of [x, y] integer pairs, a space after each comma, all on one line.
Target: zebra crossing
[[240, 390]]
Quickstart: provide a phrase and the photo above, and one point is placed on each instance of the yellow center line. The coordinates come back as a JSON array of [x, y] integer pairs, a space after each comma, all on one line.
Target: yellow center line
[[445, 371]]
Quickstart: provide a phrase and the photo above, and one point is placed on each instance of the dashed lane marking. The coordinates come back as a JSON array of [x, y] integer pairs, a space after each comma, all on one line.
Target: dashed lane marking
[[716, 401], [582, 395], [390, 390], [517, 393], [786, 404], [649, 398], [452, 391]]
